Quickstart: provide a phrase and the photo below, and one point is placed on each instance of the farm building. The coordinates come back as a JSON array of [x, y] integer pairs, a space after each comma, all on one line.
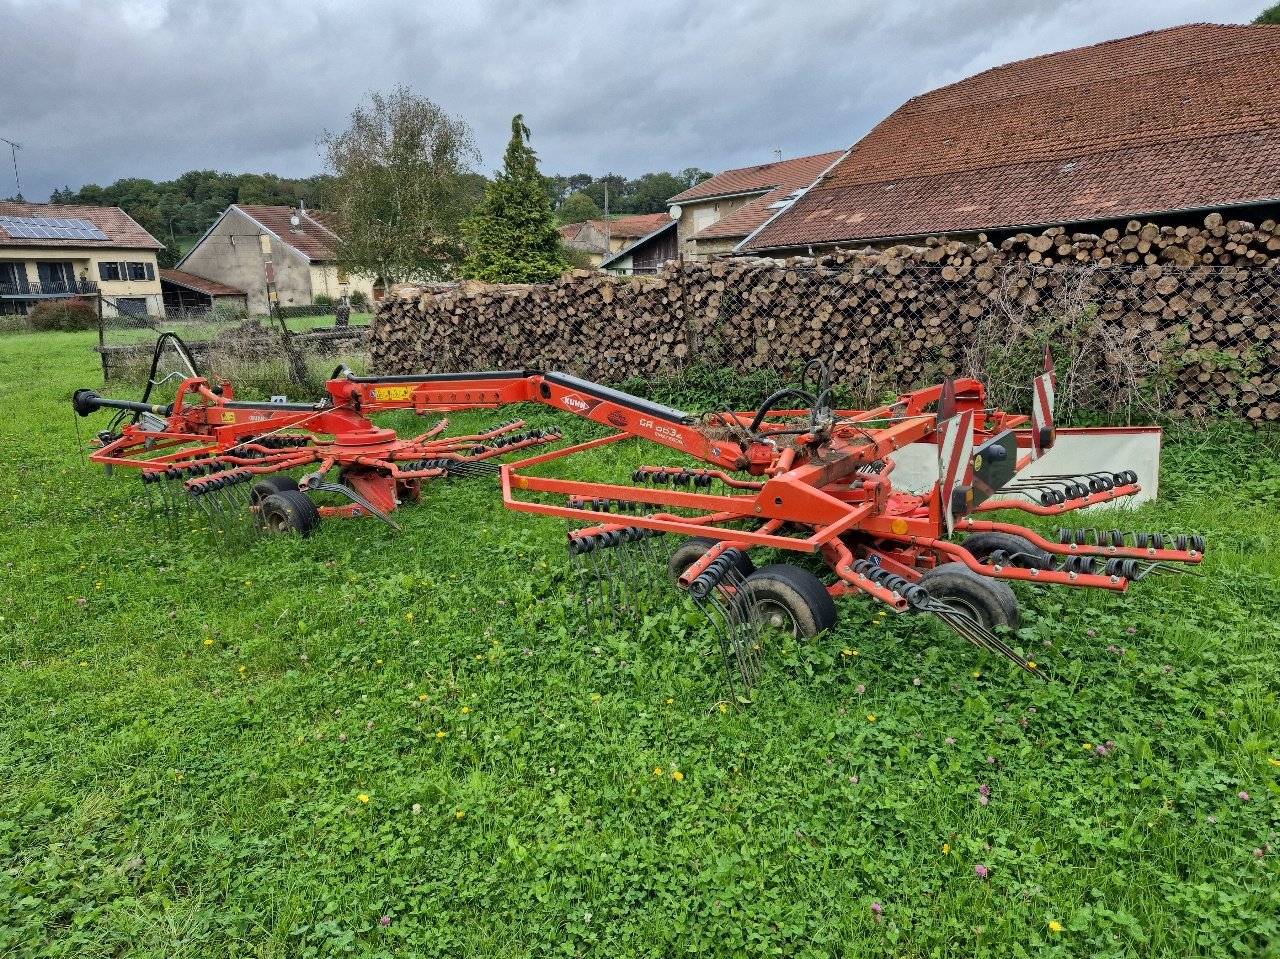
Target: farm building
[[717, 214], [303, 256], [186, 293], [1162, 126], [602, 239]]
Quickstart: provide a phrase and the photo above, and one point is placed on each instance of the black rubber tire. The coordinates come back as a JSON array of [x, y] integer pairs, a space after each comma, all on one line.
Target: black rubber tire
[[270, 486], [982, 545], [791, 599], [990, 601], [692, 550], [290, 511]]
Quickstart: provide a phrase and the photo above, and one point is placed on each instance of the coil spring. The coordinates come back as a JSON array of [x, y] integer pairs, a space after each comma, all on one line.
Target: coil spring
[[714, 574], [223, 481], [610, 538], [915, 594], [184, 472], [602, 505], [1119, 538], [1124, 568], [1084, 565], [661, 477], [275, 443]]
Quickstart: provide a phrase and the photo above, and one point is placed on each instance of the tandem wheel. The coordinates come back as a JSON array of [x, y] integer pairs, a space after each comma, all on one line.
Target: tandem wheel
[[989, 601], [789, 599], [289, 511], [269, 487]]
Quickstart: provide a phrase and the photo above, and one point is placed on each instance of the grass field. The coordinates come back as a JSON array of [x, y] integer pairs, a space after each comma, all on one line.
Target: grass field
[[379, 744]]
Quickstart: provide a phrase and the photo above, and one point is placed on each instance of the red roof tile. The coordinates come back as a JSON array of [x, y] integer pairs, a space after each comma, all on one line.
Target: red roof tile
[[766, 176], [121, 230], [1176, 119], [789, 176], [634, 226], [199, 283], [314, 237]]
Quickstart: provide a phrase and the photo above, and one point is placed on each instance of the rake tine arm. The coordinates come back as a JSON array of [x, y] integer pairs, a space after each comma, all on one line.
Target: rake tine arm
[[1072, 504], [1062, 549], [439, 427], [979, 635]]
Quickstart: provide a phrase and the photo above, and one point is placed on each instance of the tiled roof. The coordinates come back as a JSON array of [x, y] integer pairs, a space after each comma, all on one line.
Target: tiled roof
[[625, 227], [634, 226], [766, 176], [1175, 119], [199, 283], [122, 232], [314, 237], [789, 176]]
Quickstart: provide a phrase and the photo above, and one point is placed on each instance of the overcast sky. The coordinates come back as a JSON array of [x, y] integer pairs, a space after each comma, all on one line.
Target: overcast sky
[[95, 90]]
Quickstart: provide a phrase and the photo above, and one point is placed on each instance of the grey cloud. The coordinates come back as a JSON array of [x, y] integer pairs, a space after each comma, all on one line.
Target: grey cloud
[[98, 90]]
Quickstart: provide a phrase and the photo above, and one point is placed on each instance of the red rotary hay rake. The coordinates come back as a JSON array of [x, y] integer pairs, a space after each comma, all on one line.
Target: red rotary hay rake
[[806, 478], [230, 459]]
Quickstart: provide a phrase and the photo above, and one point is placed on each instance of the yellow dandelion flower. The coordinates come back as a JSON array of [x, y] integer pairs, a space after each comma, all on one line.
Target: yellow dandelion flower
[[670, 701], [883, 613], [458, 814], [946, 849], [1056, 926], [409, 617], [847, 652], [657, 771], [208, 642], [977, 674], [242, 668], [1031, 664], [724, 708], [465, 710], [595, 697], [379, 662], [1273, 761], [478, 656], [363, 797], [871, 717], [422, 698], [441, 734], [1088, 745], [83, 663], [677, 775]]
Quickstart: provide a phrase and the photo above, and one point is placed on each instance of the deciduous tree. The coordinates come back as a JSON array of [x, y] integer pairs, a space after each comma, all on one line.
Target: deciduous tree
[[402, 185], [577, 208]]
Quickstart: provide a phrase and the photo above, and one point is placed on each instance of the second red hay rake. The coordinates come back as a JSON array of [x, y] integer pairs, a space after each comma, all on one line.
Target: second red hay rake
[[794, 475]]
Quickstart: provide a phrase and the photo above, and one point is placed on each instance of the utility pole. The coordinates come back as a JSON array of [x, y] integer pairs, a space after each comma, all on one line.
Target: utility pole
[[13, 149]]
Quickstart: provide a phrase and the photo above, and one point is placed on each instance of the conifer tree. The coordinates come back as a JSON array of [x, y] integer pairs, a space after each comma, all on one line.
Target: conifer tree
[[513, 233]]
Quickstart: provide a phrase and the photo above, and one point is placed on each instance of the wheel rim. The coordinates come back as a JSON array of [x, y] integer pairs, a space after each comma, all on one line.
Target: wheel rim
[[277, 522], [968, 609], [774, 615]]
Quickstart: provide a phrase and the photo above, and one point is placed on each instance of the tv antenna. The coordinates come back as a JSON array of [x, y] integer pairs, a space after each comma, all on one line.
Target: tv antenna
[[13, 149]]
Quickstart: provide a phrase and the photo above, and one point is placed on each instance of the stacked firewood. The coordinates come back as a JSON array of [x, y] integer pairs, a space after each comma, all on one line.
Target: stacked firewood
[[1189, 315]]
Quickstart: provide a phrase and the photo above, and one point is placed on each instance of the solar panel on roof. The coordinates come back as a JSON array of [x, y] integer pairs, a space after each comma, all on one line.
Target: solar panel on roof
[[50, 228]]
